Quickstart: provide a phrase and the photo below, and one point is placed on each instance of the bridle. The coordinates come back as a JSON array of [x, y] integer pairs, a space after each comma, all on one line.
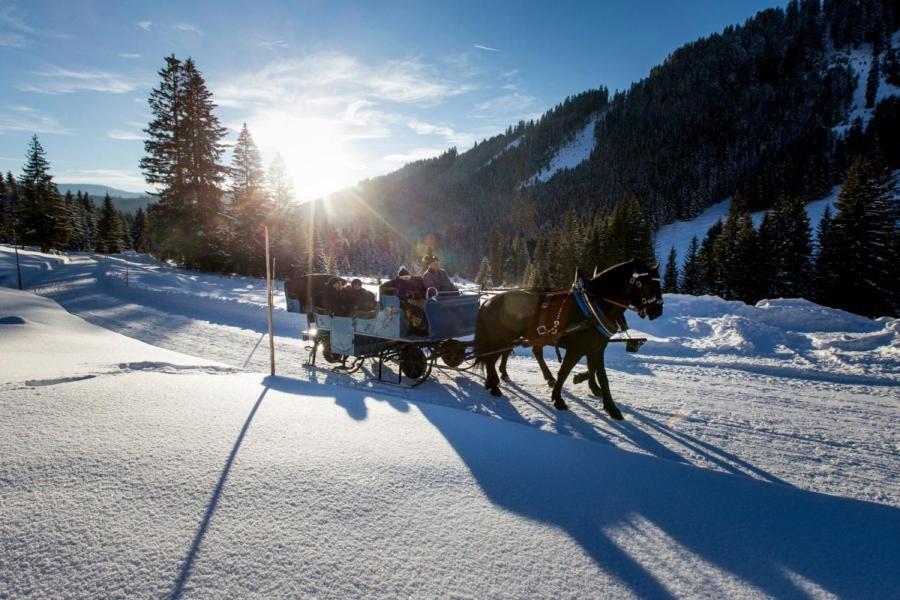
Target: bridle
[[646, 301]]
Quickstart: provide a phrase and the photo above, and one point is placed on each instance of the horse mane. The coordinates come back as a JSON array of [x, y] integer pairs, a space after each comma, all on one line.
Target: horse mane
[[614, 270]]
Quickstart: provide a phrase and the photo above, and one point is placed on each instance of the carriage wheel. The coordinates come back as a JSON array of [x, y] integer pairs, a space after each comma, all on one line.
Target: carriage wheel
[[413, 363], [453, 353]]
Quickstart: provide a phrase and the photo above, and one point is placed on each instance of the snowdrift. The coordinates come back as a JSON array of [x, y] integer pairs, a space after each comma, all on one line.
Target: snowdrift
[[787, 334]]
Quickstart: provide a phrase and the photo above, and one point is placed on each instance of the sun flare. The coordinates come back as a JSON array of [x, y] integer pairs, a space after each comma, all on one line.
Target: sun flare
[[314, 149]]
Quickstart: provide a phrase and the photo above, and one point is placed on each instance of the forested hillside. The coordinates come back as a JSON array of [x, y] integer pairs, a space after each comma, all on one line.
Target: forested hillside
[[765, 109]]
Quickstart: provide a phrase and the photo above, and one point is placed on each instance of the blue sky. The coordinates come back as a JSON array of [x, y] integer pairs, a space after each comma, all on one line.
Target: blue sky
[[342, 90]]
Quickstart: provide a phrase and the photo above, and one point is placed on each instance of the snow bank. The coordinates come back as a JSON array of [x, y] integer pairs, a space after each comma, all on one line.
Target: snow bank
[[156, 482], [778, 335]]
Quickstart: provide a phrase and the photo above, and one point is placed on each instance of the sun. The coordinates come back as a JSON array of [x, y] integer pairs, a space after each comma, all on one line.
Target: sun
[[314, 149]]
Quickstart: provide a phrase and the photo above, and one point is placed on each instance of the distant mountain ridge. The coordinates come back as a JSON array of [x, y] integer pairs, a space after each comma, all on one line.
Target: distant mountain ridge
[[124, 201], [98, 190]]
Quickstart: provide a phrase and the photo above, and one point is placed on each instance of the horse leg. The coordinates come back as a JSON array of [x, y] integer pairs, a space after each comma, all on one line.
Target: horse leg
[[492, 383], [565, 368], [591, 374], [503, 374], [608, 405], [538, 352]]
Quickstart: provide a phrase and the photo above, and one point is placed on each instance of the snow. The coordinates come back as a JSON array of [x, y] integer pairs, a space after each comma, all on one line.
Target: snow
[[758, 458], [513, 144], [569, 155], [860, 60], [679, 233]]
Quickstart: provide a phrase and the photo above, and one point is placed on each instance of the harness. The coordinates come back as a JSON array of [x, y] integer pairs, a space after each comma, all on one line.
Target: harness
[[592, 311]]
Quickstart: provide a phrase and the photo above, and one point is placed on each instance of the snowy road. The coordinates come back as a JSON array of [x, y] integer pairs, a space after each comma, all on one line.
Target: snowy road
[[826, 431]]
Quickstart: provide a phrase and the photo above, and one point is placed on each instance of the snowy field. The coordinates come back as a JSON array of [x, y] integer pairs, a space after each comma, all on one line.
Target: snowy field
[[759, 456]]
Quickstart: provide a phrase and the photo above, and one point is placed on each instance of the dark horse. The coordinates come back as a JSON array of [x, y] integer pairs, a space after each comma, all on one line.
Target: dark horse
[[596, 311]]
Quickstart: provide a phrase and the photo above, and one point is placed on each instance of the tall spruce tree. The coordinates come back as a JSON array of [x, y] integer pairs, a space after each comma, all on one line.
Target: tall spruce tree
[[708, 269], [690, 280], [864, 234], [184, 146], [249, 205], [42, 216], [670, 278], [109, 228], [825, 283]]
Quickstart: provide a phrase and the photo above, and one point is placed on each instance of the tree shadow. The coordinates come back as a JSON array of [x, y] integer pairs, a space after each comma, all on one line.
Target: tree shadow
[[769, 536], [188, 563]]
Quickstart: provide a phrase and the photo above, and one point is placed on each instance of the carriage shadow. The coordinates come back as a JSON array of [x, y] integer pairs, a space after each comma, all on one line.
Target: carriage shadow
[[634, 514]]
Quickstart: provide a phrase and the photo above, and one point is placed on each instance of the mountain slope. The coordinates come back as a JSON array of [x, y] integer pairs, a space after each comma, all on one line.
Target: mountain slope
[[767, 108]]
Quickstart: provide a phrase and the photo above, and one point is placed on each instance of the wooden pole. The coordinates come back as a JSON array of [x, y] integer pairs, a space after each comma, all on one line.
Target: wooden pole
[[269, 302], [18, 268]]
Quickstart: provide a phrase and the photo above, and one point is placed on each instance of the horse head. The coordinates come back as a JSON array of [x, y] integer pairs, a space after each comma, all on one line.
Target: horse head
[[633, 283], [645, 292]]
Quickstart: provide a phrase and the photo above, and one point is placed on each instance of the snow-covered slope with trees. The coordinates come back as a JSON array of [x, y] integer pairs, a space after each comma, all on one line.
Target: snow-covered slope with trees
[[173, 475], [571, 154], [679, 233]]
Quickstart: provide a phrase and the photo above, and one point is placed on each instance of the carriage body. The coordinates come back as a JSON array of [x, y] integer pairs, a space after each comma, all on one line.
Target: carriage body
[[413, 333]]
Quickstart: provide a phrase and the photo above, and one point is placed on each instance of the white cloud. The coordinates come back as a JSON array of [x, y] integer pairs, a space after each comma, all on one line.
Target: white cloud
[[414, 155], [509, 106], [58, 80], [24, 118], [188, 28], [482, 47], [12, 40], [130, 55], [272, 44], [131, 131], [332, 76], [118, 178], [145, 25]]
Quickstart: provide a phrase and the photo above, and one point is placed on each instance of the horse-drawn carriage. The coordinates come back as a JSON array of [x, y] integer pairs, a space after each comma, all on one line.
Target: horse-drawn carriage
[[414, 327], [407, 330]]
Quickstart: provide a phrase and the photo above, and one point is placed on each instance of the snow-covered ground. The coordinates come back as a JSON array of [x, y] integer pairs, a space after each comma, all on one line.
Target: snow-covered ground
[[569, 155], [760, 455]]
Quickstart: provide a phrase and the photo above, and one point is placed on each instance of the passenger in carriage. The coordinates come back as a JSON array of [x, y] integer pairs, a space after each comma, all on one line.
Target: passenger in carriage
[[334, 299], [360, 299], [435, 276]]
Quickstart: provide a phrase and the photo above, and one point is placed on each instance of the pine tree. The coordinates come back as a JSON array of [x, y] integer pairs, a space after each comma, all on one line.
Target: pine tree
[[42, 216], [249, 205], [864, 235], [670, 279], [872, 83], [726, 255], [183, 147], [139, 230], [109, 228], [707, 267], [827, 263], [690, 281]]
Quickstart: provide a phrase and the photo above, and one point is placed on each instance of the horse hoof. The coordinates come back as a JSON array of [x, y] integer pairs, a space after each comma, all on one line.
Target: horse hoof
[[504, 377], [495, 391], [580, 377], [613, 412], [551, 382], [560, 405]]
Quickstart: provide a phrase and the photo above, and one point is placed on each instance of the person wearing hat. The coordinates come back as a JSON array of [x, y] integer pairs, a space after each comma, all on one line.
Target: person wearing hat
[[435, 276], [361, 299], [334, 298]]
